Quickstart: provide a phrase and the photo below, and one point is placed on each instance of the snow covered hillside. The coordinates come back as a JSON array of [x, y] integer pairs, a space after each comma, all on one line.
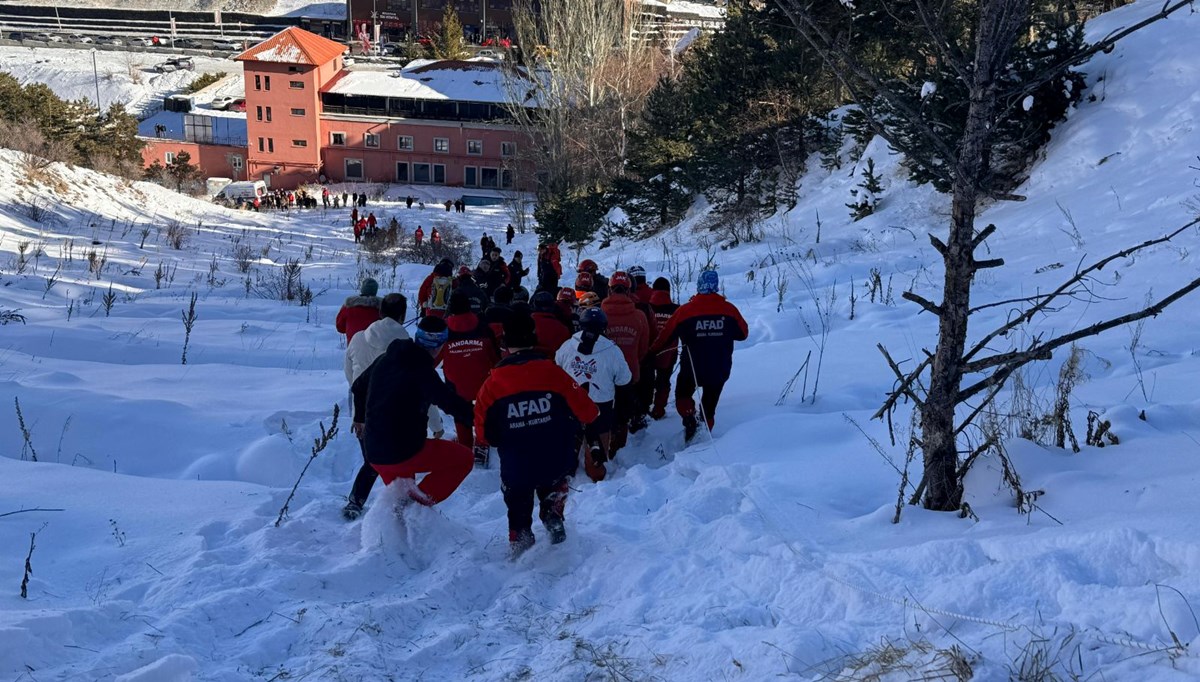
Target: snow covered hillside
[[125, 77], [766, 551]]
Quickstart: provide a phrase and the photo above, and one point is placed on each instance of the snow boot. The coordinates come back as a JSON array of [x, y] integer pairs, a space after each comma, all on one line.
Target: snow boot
[[690, 426], [352, 510], [482, 454], [554, 526], [638, 423], [593, 464], [519, 542]]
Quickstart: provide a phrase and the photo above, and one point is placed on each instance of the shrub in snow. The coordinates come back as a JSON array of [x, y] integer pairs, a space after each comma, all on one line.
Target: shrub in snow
[[865, 197]]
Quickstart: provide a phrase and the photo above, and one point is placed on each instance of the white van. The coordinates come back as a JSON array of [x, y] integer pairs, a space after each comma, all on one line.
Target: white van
[[241, 192]]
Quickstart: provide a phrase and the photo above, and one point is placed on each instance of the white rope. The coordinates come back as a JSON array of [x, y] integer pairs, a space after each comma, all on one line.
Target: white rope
[[908, 602]]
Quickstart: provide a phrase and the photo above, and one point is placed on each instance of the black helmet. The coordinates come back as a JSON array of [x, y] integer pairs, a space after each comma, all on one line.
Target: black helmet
[[593, 320]]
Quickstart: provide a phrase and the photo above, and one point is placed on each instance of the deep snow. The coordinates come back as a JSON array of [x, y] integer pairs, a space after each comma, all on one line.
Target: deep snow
[[765, 551]]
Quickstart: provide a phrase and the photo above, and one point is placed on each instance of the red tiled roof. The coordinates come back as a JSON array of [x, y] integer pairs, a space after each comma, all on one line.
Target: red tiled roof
[[294, 46]]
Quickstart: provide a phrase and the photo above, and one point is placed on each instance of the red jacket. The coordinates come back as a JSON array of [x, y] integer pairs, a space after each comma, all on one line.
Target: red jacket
[[551, 332], [644, 293], [663, 307], [469, 355], [629, 329], [531, 410], [357, 313], [707, 325]]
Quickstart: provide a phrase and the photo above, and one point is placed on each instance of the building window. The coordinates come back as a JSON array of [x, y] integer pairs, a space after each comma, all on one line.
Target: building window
[[371, 140], [475, 147], [439, 174], [257, 82], [235, 162], [271, 145], [508, 149], [506, 179], [489, 177], [441, 144], [299, 143], [268, 114], [262, 144], [420, 173], [337, 139], [297, 112], [169, 158], [354, 169], [404, 143], [401, 171], [470, 176], [296, 85], [258, 113], [266, 82]]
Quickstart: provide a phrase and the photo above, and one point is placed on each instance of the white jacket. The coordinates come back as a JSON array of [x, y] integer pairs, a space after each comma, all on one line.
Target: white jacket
[[602, 371], [372, 342]]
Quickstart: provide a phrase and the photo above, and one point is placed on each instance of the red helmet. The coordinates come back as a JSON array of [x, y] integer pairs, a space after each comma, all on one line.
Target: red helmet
[[589, 266], [566, 295], [584, 281], [464, 271], [620, 280]]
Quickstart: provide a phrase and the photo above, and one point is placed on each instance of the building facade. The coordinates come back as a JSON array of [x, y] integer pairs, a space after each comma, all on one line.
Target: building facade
[[310, 119]]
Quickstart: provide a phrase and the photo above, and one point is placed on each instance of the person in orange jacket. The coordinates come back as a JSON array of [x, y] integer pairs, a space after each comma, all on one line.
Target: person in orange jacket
[[707, 326], [630, 330]]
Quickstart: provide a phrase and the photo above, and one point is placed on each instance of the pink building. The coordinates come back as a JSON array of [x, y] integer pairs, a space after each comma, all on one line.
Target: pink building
[[309, 119]]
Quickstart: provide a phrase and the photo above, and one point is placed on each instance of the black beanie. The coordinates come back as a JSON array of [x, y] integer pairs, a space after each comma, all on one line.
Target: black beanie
[[520, 331], [661, 284]]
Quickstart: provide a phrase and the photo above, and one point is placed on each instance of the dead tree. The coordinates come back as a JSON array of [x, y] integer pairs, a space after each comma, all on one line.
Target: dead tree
[[978, 58]]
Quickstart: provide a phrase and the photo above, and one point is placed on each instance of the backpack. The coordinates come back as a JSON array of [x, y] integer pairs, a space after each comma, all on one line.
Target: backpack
[[439, 293]]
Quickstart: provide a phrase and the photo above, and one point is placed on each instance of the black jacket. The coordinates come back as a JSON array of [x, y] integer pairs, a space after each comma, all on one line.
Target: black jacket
[[478, 297], [394, 394]]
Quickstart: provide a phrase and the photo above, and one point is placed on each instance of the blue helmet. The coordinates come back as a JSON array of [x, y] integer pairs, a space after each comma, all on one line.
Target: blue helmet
[[593, 320], [431, 333], [708, 282]]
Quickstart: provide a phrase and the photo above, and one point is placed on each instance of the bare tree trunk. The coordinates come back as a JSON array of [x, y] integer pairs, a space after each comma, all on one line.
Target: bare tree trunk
[[999, 28]]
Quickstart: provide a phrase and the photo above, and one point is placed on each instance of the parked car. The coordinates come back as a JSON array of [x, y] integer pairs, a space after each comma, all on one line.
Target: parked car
[[113, 41], [227, 45], [488, 53], [236, 193], [188, 43], [79, 38], [222, 102], [142, 42], [176, 64], [47, 37], [238, 104]]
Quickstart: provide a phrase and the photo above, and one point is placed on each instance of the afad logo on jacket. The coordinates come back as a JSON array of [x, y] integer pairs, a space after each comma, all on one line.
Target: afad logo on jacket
[[530, 412]]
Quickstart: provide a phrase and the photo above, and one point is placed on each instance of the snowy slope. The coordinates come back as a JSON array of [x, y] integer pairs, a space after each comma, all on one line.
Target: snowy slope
[[125, 77], [766, 551]]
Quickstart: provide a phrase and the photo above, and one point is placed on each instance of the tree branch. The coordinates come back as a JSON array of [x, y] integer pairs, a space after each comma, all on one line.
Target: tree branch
[[906, 382], [1009, 362], [1068, 286], [924, 303]]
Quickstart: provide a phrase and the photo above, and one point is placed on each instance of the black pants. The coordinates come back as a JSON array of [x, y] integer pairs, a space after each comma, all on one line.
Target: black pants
[[624, 407], [552, 500], [602, 424], [685, 386], [645, 388], [365, 480]]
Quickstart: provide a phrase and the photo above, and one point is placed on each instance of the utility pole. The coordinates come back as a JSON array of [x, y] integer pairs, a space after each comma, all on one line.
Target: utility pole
[[96, 78], [483, 19]]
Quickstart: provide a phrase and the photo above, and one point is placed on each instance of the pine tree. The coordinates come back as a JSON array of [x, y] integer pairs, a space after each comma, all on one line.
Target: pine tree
[[449, 43], [866, 194], [655, 189]]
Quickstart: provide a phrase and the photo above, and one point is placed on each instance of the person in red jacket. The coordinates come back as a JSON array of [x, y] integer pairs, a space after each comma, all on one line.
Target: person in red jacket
[[419, 236], [433, 296], [707, 326], [552, 333], [664, 361], [468, 357], [531, 410], [641, 291], [358, 312], [630, 330]]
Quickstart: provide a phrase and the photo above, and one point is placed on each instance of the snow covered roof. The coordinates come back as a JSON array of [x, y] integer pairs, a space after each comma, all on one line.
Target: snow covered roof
[[685, 7], [293, 46], [474, 80]]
